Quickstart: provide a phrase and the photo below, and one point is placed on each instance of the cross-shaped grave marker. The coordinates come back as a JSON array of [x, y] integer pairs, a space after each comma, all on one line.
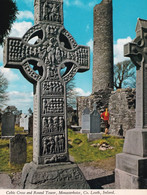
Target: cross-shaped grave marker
[[137, 51], [130, 172], [49, 63]]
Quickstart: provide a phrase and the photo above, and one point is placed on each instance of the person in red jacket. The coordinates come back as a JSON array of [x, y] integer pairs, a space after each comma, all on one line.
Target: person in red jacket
[[105, 117]]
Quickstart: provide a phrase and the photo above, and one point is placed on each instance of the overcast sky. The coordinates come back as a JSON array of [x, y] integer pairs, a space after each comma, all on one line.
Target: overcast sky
[[78, 20]]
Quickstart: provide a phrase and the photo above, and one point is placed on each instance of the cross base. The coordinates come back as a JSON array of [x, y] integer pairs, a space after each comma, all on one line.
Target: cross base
[[53, 176], [131, 172]]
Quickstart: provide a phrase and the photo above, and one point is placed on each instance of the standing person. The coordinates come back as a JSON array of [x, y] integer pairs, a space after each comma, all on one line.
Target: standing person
[[105, 117]]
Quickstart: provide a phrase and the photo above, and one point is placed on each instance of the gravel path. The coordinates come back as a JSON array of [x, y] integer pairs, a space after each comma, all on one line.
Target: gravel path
[[96, 177]]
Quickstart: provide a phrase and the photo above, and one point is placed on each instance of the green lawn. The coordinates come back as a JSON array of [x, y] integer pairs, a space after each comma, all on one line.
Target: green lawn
[[82, 151], [79, 148]]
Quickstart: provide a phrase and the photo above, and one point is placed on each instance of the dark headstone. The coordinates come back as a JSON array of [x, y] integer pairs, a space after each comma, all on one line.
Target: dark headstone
[[31, 125], [95, 125], [18, 149], [8, 124], [95, 122]]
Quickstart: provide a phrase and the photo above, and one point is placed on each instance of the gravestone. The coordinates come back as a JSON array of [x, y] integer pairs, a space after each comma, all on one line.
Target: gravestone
[[24, 122], [8, 125], [18, 149], [95, 125], [85, 121], [43, 63], [131, 172], [17, 120], [31, 125]]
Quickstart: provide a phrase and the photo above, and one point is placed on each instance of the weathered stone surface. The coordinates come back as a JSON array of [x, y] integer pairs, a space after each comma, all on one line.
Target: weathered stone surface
[[31, 125], [55, 176], [94, 136], [131, 165], [136, 142], [55, 58], [24, 121], [124, 180], [85, 121], [121, 104], [95, 122], [8, 124], [103, 46], [18, 149], [54, 51], [101, 98], [122, 110]]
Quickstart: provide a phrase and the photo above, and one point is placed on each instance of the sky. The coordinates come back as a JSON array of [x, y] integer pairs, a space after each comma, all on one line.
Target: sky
[[78, 20]]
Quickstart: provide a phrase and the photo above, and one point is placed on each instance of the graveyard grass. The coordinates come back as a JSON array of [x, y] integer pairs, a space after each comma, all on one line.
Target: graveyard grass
[[5, 165], [83, 152], [79, 148]]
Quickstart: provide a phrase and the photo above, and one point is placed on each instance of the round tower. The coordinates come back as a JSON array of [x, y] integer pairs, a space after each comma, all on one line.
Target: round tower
[[103, 46]]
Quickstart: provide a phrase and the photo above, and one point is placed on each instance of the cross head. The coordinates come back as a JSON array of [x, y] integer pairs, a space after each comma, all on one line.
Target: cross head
[[49, 57], [137, 51]]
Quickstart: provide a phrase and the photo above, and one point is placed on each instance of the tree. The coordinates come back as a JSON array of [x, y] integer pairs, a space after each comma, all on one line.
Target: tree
[[8, 11], [71, 94], [3, 88], [124, 75]]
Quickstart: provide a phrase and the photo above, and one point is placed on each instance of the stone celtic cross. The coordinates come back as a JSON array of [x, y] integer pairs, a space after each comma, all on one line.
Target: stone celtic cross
[[137, 51], [49, 63]]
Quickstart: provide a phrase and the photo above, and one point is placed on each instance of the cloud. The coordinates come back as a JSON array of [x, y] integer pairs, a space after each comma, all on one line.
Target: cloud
[[25, 15], [90, 44], [93, 3], [66, 2], [80, 3], [9, 74], [119, 49], [19, 28], [81, 92], [22, 101]]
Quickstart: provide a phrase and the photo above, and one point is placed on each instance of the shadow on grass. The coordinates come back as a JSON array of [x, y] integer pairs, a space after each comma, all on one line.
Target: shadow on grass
[[99, 182]]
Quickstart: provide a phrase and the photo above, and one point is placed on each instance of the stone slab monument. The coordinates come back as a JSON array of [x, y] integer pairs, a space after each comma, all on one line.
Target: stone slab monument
[[8, 125], [18, 149], [24, 122], [95, 125], [85, 121], [49, 64], [30, 131], [131, 165]]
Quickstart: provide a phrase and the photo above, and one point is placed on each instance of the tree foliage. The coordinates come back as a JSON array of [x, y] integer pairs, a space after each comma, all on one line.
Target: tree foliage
[[8, 11], [124, 75], [3, 88], [71, 94]]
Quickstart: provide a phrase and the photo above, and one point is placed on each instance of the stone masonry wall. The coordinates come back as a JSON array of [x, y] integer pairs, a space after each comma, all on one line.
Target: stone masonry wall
[[121, 104], [122, 110], [101, 98], [103, 46]]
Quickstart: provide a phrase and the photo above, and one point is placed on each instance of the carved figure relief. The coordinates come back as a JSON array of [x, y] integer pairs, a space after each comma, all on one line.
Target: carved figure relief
[[51, 11], [53, 144], [53, 105], [52, 88], [53, 124]]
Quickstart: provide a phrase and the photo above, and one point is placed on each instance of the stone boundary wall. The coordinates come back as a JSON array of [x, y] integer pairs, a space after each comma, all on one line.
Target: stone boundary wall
[[122, 110], [121, 104]]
